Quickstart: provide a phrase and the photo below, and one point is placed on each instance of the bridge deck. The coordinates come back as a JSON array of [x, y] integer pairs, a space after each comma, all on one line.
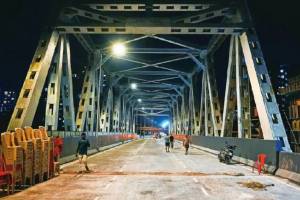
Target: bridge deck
[[142, 170]]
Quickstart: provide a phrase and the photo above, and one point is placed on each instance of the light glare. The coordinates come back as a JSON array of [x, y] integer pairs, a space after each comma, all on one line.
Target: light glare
[[165, 124], [139, 100], [119, 49], [133, 86]]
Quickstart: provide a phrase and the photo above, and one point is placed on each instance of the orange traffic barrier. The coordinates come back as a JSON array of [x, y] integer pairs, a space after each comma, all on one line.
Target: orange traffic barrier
[[37, 158], [260, 163], [5, 177], [13, 158], [27, 146], [42, 134]]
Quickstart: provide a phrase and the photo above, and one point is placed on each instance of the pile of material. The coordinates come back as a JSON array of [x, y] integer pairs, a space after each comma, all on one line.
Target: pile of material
[[255, 185]]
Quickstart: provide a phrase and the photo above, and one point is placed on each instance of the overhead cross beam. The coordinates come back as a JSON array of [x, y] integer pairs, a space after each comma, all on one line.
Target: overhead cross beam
[[205, 15], [146, 28], [73, 11]]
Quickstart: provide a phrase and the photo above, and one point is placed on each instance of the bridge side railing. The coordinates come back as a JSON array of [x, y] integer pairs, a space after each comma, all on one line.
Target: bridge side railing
[[64, 134]]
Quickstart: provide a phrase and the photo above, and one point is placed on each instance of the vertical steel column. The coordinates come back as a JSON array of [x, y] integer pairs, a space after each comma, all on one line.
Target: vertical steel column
[[30, 93], [205, 105], [110, 108], [91, 102], [116, 112], [230, 97], [191, 118], [238, 87], [53, 97], [201, 113], [183, 111], [84, 98], [67, 89], [245, 95], [99, 92], [178, 116], [267, 107], [213, 98]]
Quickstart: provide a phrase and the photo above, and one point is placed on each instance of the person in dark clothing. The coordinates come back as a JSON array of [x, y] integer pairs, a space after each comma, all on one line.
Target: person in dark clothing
[[81, 151], [186, 143], [172, 141], [167, 143]]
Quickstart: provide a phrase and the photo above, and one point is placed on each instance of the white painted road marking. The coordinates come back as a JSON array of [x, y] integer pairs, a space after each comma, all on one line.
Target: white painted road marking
[[204, 191]]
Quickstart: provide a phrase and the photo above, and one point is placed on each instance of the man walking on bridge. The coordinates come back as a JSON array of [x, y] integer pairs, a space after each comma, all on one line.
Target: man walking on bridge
[[186, 143], [172, 141], [81, 151], [167, 142]]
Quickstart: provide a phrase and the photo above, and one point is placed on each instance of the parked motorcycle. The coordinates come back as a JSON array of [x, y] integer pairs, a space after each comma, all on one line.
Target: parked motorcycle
[[226, 153]]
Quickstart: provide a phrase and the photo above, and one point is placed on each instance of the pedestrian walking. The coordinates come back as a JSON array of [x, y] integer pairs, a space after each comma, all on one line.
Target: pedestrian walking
[[186, 143], [81, 152], [172, 141], [167, 143]]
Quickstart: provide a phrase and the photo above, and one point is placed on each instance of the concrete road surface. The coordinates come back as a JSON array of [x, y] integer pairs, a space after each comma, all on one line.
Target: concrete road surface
[[143, 170]]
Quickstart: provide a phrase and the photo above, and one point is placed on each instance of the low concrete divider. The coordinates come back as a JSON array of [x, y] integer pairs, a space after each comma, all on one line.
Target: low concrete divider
[[289, 166], [98, 143], [246, 151]]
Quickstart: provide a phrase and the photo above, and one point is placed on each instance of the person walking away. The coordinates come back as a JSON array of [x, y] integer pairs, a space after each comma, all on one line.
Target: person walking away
[[186, 143], [167, 143], [58, 146], [172, 141], [81, 152]]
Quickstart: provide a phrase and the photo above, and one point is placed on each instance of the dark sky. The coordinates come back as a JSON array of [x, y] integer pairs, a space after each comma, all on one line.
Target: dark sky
[[277, 26]]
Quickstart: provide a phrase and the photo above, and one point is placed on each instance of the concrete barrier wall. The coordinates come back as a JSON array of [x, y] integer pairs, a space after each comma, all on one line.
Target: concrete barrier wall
[[289, 166], [70, 143], [247, 149], [289, 161], [97, 142]]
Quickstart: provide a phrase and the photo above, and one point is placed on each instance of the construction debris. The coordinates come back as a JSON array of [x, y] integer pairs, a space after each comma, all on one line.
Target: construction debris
[[255, 185]]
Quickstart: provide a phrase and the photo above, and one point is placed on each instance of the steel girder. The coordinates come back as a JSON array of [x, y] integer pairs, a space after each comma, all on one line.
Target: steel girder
[[230, 93], [267, 107], [54, 86], [84, 101], [179, 105], [29, 97], [67, 89], [206, 29]]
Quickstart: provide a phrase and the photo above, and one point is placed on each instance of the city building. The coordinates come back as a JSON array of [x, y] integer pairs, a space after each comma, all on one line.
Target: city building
[[291, 94], [7, 100]]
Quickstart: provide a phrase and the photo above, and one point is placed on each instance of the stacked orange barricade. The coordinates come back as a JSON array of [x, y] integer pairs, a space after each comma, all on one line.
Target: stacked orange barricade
[[27, 146], [42, 134], [13, 157], [37, 149]]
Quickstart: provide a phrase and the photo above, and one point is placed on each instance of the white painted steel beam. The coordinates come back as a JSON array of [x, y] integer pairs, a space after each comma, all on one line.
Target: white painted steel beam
[[32, 88], [264, 97], [53, 92]]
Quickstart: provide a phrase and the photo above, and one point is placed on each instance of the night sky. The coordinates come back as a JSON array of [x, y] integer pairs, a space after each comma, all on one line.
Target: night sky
[[277, 26]]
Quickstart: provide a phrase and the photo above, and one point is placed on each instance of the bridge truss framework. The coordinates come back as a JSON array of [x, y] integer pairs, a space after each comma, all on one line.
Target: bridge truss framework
[[166, 90]]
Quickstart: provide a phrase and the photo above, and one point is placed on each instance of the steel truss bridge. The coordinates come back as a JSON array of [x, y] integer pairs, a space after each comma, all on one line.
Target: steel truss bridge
[[171, 56]]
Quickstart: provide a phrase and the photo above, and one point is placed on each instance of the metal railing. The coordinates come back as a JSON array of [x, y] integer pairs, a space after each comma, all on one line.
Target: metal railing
[[64, 134]]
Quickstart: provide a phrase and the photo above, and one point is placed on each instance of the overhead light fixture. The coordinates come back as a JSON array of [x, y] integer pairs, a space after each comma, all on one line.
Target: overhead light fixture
[[139, 100], [133, 86], [119, 50]]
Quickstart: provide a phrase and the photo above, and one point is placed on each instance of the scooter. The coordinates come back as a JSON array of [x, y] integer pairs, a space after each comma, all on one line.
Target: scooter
[[226, 153]]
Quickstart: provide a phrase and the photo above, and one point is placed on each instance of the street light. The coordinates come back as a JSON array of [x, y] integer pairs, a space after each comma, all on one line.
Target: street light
[[133, 86], [139, 100], [118, 49]]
